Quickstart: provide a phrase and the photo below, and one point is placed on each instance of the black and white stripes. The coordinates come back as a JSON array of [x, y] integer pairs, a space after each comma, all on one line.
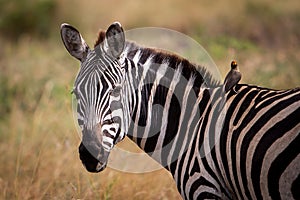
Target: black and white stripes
[[247, 148]]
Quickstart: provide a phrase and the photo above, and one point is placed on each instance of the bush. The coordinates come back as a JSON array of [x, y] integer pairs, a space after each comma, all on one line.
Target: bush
[[19, 17]]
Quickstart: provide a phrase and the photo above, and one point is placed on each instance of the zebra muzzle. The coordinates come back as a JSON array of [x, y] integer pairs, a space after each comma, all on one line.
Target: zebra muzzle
[[94, 161]]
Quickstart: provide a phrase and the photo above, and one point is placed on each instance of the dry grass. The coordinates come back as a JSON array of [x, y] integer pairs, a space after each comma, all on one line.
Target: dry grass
[[38, 138]]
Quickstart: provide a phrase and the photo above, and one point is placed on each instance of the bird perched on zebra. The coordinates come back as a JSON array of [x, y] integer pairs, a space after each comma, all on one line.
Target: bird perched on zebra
[[232, 78]]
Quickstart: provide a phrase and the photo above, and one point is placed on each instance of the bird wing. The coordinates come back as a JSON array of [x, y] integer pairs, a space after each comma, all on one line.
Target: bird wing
[[232, 78]]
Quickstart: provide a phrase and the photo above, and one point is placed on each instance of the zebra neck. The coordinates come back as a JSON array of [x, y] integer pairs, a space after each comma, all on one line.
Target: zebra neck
[[162, 95]]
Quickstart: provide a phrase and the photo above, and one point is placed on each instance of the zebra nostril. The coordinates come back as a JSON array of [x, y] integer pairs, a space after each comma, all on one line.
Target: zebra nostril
[[107, 134]]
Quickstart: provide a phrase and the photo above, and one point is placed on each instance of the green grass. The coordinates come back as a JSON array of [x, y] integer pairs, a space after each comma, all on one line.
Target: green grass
[[38, 137]]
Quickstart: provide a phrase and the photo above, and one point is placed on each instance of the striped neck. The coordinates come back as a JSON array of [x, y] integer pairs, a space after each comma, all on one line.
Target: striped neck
[[158, 88]]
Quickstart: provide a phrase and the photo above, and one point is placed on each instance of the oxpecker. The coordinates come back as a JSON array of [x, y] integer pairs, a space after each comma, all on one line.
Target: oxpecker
[[232, 78]]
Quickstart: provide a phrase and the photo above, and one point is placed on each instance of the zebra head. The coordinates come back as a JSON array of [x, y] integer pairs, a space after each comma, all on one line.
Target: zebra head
[[98, 92]]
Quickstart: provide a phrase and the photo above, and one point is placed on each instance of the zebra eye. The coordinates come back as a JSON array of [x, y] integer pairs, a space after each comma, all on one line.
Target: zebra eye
[[75, 92]]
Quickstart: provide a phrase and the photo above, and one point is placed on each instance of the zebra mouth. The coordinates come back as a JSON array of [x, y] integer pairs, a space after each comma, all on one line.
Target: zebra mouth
[[90, 162]]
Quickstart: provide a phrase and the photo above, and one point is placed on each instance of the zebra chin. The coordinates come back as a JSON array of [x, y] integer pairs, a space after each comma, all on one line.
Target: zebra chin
[[90, 162]]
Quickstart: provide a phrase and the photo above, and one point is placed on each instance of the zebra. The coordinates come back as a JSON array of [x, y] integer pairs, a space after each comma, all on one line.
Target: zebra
[[170, 107]]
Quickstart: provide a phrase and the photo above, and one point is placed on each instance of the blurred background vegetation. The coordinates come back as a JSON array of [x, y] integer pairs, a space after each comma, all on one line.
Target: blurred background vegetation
[[38, 138]]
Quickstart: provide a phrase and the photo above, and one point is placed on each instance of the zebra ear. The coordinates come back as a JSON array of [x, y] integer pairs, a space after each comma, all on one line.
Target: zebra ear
[[115, 40], [73, 41]]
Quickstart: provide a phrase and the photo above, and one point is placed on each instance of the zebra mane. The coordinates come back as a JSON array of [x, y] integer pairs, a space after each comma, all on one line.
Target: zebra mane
[[162, 56], [100, 38]]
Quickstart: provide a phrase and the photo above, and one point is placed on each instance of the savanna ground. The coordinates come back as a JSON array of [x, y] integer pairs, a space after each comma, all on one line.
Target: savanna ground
[[38, 137]]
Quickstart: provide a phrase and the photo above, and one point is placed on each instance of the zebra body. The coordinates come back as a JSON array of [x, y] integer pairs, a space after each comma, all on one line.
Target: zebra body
[[170, 108]]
